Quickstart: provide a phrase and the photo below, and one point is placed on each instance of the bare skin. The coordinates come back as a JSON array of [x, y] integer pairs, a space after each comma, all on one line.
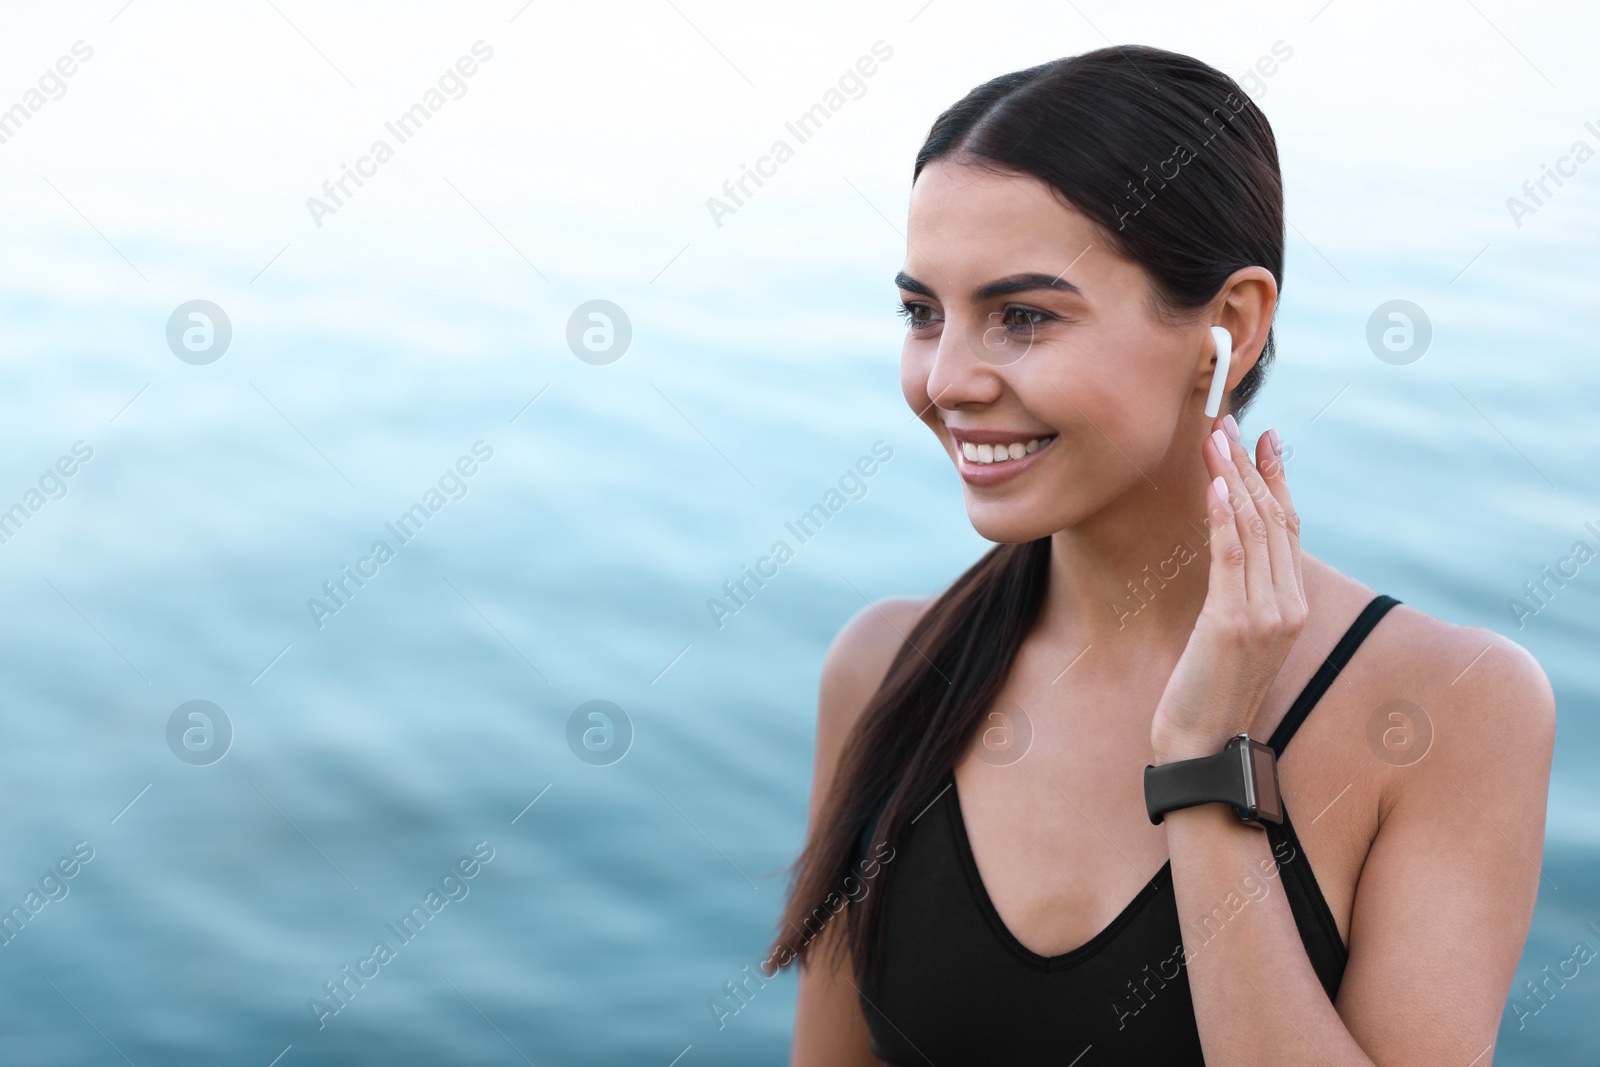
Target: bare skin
[[1430, 868]]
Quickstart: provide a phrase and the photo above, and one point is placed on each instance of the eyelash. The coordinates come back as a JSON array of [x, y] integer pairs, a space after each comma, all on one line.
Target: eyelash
[[907, 310]]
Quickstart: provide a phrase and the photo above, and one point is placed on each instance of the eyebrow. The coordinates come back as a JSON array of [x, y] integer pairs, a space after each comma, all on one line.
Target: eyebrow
[[1016, 283]]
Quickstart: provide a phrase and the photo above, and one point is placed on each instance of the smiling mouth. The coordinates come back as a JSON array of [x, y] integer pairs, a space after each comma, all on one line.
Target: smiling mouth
[[989, 455]]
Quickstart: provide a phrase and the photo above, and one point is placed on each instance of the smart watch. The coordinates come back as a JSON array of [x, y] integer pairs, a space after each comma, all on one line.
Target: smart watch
[[1244, 775]]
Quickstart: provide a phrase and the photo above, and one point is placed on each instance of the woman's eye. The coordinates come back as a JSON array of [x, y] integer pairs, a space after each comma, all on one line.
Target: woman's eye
[[917, 316], [1022, 320]]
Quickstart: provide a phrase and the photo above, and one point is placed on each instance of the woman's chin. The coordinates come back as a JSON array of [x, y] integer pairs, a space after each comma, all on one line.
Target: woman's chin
[[1010, 523]]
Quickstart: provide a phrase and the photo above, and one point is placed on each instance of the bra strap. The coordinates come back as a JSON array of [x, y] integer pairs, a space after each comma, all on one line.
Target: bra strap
[[1337, 660]]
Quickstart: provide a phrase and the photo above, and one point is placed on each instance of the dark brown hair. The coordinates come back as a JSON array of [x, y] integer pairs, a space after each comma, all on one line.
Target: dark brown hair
[[1179, 169]]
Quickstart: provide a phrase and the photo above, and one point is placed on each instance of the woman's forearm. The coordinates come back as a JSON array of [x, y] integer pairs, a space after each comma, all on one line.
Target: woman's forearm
[[1257, 999]]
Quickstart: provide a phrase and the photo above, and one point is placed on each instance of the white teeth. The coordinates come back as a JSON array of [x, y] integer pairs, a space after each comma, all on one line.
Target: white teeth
[[1000, 453]]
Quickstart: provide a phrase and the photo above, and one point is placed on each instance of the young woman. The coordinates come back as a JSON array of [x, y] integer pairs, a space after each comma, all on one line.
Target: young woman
[[983, 882]]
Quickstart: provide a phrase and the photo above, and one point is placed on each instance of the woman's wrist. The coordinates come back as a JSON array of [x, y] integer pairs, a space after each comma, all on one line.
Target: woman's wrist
[[1170, 748]]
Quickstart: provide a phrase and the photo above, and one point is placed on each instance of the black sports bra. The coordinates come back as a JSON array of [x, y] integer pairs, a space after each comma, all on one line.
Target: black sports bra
[[952, 986]]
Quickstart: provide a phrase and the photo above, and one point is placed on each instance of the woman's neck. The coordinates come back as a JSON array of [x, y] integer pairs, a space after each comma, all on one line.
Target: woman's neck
[[1130, 579]]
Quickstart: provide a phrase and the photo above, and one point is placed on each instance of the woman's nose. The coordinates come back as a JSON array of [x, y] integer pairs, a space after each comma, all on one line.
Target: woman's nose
[[968, 365]]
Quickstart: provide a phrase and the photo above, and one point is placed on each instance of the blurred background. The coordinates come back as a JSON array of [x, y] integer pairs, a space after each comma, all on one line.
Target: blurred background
[[226, 379]]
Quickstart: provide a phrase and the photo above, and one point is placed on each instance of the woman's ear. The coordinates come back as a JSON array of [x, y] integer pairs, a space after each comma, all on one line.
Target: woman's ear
[[1244, 308]]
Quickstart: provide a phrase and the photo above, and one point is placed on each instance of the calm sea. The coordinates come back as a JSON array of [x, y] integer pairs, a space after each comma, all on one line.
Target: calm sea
[[408, 752]]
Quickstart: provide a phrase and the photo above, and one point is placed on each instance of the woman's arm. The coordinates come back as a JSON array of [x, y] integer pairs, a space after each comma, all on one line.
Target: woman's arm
[[1447, 888], [1442, 906], [1447, 892], [829, 1028]]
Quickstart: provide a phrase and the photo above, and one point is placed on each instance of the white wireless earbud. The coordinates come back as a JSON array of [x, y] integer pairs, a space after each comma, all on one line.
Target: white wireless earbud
[[1224, 342]]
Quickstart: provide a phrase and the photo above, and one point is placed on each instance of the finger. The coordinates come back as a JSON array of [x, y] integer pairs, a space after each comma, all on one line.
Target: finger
[[1281, 583], [1257, 567], [1226, 580], [1264, 525], [1271, 467]]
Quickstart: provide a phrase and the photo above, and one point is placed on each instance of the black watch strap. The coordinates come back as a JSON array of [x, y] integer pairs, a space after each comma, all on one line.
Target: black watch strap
[[1185, 783], [1244, 775]]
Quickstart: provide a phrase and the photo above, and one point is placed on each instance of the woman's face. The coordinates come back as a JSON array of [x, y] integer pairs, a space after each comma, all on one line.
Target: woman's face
[[1024, 325]]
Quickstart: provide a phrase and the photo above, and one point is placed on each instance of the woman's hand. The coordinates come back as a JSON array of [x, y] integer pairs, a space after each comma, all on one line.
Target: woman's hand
[[1255, 602]]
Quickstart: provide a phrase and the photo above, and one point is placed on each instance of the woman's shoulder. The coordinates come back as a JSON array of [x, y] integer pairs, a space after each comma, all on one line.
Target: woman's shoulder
[[859, 656], [1474, 687], [854, 667]]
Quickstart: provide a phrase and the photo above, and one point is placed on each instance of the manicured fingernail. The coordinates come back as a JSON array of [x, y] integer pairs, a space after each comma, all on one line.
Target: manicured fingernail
[[1220, 439], [1219, 488], [1277, 445], [1232, 427]]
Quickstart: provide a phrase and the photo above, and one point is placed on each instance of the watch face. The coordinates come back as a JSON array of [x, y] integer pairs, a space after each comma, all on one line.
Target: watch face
[[1264, 768]]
